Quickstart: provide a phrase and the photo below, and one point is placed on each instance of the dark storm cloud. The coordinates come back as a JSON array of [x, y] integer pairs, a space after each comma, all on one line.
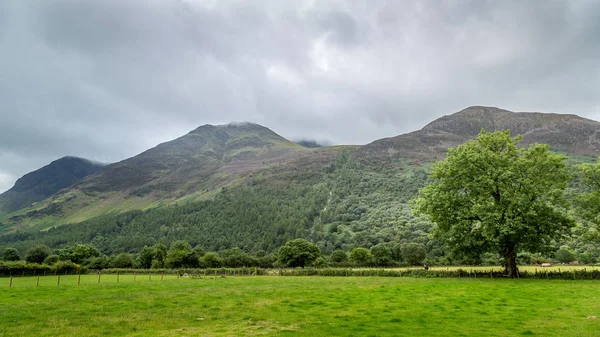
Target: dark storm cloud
[[106, 79]]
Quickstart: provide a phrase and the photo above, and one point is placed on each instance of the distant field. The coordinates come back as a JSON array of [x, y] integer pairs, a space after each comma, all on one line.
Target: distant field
[[526, 268], [297, 306]]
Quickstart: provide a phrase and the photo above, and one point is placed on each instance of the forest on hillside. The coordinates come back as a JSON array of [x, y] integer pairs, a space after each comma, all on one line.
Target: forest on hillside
[[352, 206]]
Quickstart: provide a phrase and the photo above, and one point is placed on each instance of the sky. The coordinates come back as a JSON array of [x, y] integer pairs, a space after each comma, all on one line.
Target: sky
[[108, 79]]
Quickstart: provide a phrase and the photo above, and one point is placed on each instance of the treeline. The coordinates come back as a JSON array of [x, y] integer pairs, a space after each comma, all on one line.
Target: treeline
[[181, 255]]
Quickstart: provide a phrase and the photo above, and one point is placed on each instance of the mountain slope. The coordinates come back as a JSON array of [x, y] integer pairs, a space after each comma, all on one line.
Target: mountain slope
[[46, 181], [211, 159], [195, 165]]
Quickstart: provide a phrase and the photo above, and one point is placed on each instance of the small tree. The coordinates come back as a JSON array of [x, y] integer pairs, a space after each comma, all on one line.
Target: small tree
[[361, 256], [78, 253], [413, 253], [11, 254], [491, 195], [122, 260], [564, 255], [160, 253], [338, 256], [298, 253], [382, 254], [37, 254], [180, 255], [146, 256], [211, 260]]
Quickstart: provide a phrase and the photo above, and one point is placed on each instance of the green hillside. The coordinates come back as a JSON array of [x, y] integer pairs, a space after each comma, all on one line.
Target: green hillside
[[221, 187]]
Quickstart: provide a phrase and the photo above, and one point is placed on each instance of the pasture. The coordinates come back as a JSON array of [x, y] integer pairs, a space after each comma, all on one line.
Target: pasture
[[297, 306]]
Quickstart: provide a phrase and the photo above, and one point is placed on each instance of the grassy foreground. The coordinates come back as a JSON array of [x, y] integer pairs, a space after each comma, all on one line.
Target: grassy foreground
[[294, 306]]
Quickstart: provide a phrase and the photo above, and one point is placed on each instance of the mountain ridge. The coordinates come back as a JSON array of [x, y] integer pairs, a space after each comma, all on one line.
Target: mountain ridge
[[201, 163]]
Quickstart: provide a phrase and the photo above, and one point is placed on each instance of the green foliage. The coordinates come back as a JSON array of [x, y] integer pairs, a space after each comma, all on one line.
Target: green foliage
[[234, 258], [588, 202], [413, 253], [147, 254], [101, 262], [38, 254], [122, 260], [491, 195], [11, 254], [78, 253], [338, 256], [361, 256], [382, 255], [298, 253], [51, 259], [211, 260], [181, 255], [564, 255]]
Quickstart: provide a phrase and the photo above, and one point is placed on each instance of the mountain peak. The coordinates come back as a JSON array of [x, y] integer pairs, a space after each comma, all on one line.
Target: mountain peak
[[42, 183]]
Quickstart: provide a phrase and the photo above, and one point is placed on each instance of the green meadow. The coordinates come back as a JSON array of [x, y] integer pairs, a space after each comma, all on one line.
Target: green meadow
[[297, 306]]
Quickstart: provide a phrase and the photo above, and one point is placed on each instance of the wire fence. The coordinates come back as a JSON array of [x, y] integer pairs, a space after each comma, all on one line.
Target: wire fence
[[34, 278]]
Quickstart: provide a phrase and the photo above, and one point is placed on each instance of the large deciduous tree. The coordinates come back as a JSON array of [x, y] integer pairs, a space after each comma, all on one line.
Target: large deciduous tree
[[489, 195]]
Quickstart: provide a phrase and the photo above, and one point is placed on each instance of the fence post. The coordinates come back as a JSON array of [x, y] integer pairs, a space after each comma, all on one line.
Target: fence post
[[117, 277], [98, 277], [37, 282], [58, 280], [150, 276], [78, 279]]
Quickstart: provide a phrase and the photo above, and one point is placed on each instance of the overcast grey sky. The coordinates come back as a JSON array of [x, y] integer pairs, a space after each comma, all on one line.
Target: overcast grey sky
[[105, 79]]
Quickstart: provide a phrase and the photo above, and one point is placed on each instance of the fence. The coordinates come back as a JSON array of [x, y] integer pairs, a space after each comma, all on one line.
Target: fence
[[140, 275]]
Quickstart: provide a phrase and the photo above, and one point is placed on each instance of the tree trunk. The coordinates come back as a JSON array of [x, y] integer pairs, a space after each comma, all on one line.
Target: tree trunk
[[510, 262]]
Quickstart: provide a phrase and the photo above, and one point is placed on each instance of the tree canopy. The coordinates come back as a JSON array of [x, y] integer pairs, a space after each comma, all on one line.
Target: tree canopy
[[588, 202], [298, 253], [489, 195]]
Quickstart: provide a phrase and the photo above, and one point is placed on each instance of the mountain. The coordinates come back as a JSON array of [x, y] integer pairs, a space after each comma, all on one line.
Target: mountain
[[193, 166], [243, 185], [569, 134], [40, 184]]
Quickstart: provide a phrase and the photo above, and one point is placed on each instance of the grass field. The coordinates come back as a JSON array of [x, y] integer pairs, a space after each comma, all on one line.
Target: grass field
[[298, 306]]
